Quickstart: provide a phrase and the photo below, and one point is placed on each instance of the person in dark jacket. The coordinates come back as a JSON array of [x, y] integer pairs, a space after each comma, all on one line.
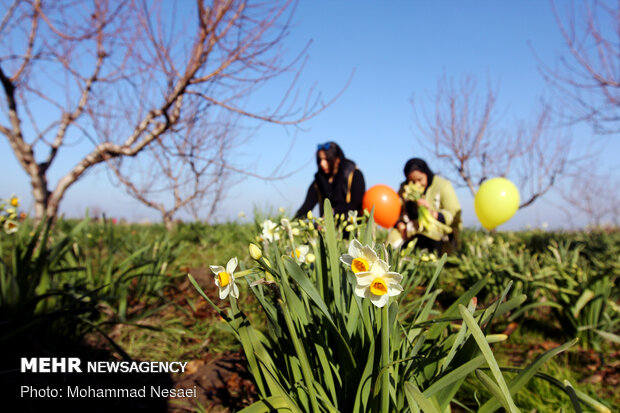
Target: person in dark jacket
[[337, 179]]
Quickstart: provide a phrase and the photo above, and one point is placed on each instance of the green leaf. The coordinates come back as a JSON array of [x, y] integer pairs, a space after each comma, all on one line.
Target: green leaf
[[333, 254], [367, 238], [608, 336], [300, 277], [530, 306], [488, 355], [495, 390], [270, 404], [454, 376], [585, 297], [453, 310], [426, 405], [595, 404]]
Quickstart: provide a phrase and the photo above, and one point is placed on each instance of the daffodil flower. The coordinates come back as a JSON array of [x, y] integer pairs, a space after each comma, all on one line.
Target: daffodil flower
[[352, 219], [14, 201], [225, 278], [300, 253], [270, 232], [360, 258], [10, 226], [286, 224], [378, 284]]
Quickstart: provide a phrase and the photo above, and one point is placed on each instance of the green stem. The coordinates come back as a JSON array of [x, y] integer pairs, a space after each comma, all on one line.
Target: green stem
[[303, 359], [385, 360], [233, 305]]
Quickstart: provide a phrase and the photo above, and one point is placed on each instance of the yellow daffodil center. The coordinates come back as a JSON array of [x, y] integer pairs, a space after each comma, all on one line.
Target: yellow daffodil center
[[359, 265], [378, 287], [15, 202], [295, 254], [223, 278]]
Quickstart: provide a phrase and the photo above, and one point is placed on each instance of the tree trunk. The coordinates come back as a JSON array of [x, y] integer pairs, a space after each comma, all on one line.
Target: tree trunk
[[168, 223]]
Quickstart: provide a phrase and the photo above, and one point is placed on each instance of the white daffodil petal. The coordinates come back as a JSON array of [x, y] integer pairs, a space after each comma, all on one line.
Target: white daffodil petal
[[394, 290], [369, 254], [235, 290], [347, 259], [364, 279], [224, 292], [216, 269], [392, 277], [355, 248], [379, 267], [231, 266], [360, 291], [378, 300]]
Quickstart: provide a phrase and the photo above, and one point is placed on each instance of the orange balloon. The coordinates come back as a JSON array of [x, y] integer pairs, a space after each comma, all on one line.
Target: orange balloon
[[386, 202]]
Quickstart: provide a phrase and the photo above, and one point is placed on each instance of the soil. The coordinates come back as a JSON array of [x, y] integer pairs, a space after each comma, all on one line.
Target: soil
[[223, 383]]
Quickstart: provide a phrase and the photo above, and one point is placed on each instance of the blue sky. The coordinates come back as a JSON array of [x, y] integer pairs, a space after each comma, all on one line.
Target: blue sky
[[394, 49]]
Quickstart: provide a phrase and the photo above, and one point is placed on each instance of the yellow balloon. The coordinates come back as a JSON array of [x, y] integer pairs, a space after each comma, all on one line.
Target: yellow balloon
[[496, 202]]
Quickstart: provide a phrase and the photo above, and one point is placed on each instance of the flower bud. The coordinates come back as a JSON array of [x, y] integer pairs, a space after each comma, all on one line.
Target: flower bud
[[310, 258], [255, 252], [309, 214], [349, 228], [269, 276], [496, 338]]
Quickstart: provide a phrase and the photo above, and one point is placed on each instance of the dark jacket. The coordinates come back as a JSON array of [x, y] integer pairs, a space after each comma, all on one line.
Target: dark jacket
[[345, 192]]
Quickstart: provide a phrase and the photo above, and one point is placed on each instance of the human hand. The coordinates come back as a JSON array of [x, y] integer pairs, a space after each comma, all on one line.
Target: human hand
[[402, 228], [423, 202]]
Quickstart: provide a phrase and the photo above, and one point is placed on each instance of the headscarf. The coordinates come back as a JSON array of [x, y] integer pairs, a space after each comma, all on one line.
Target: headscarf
[[332, 152], [417, 164]]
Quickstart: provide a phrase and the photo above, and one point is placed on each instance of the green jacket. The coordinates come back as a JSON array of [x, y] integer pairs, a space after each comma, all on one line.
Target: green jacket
[[442, 198]]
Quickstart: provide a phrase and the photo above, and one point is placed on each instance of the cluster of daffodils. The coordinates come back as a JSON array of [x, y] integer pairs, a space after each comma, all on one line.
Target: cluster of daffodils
[[293, 234], [8, 214], [371, 275], [372, 278]]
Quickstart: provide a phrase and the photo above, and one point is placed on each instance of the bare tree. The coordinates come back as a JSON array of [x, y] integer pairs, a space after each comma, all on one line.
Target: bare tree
[[586, 78], [592, 196], [111, 78], [462, 131], [186, 171]]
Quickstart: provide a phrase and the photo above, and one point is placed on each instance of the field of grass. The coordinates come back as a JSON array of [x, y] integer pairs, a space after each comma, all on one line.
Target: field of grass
[[121, 291]]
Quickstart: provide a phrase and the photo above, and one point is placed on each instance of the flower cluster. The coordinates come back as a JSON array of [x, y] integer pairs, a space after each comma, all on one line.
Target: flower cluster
[[8, 214], [298, 239], [426, 223], [293, 234], [372, 276], [412, 192]]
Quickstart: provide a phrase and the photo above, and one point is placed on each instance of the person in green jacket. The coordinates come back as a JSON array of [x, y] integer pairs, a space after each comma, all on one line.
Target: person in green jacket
[[431, 212]]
